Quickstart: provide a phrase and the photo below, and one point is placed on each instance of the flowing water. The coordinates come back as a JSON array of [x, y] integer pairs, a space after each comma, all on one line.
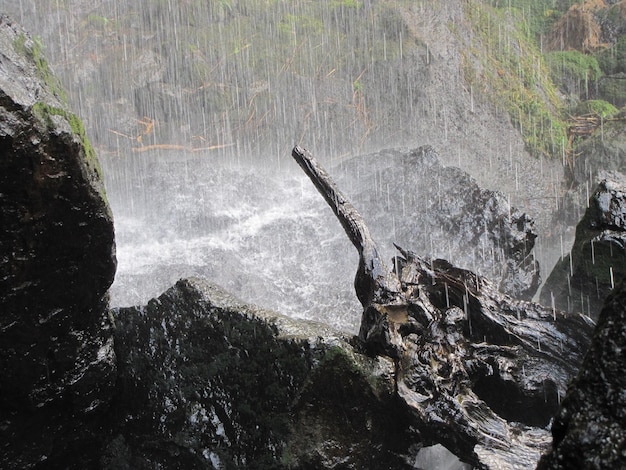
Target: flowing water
[[193, 108], [264, 234]]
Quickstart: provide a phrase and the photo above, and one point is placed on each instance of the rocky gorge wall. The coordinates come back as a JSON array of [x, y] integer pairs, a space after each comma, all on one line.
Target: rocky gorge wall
[[586, 275]]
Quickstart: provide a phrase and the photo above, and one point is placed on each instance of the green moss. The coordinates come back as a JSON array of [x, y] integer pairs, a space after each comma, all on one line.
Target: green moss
[[33, 49], [573, 65], [601, 108], [346, 3], [504, 65], [538, 15], [339, 357], [44, 112]]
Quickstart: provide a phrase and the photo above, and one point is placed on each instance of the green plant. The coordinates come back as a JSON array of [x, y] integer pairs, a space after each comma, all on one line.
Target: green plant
[[33, 49], [506, 66], [574, 65], [538, 15], [346, 3], [602, 108]]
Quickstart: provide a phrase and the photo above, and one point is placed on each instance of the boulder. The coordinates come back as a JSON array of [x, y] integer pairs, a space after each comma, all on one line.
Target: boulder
[[57, 260], [413, 200], [590, 429], [582, 279], [207, 381]]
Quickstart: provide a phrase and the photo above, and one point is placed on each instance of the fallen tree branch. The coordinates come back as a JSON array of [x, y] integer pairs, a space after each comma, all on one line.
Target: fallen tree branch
[[373, 283], [480, 373]]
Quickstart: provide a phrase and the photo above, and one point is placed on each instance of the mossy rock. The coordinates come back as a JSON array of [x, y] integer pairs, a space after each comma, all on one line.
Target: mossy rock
[[600, 108]]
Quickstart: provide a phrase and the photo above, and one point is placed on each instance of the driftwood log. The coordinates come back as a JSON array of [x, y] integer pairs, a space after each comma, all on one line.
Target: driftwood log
[[481, 373]]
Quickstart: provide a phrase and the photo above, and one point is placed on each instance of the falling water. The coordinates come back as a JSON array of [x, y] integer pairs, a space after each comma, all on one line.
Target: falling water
[[193, 108]]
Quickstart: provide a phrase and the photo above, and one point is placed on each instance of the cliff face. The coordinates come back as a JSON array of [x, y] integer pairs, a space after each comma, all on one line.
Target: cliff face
[[57, 261]]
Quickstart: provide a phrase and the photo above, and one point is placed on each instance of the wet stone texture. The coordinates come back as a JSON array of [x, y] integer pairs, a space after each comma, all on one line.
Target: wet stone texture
[[478, 371], [597, 261], [481, 372], [209, 382], [57, 260], [590, 429], [441, 212]]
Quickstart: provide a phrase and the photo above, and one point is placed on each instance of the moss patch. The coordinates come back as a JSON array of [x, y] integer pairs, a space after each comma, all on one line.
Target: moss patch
[[44, 112], [505, 65], [573, 65], [33, 49], [601, 108]]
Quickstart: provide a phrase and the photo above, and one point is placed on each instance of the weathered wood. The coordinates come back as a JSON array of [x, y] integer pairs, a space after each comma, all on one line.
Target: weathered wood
[[373, 283], [480, 372]]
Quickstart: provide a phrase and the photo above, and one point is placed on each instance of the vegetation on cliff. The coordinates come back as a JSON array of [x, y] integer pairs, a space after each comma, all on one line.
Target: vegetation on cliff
[[241, 62], [504, 61], [542, 60]]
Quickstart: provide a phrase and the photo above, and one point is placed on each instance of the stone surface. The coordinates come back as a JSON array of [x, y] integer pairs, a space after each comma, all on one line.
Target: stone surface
[[209, 382], [597, 261], [604, 150], [481, 372], [590, 429], [418, 203], [57, 260]]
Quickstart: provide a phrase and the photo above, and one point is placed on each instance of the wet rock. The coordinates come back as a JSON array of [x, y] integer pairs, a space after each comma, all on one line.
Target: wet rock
[[57, 260], [412, 200], [209, 382], [591, 424], [597, 261], [604, 150]]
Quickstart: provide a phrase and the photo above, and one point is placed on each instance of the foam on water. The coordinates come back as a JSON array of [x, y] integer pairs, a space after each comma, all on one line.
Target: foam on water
[[268, 237]]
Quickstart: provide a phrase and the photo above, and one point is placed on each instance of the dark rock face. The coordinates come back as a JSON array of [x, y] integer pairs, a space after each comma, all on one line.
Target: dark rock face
[[439, 210], [583, 279], [57, 260], [209, 382], [604, 150], [590, 429]]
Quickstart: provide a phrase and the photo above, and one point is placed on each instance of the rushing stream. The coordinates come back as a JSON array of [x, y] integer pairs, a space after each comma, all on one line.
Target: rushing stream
[[264, 234], [193, 108]]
